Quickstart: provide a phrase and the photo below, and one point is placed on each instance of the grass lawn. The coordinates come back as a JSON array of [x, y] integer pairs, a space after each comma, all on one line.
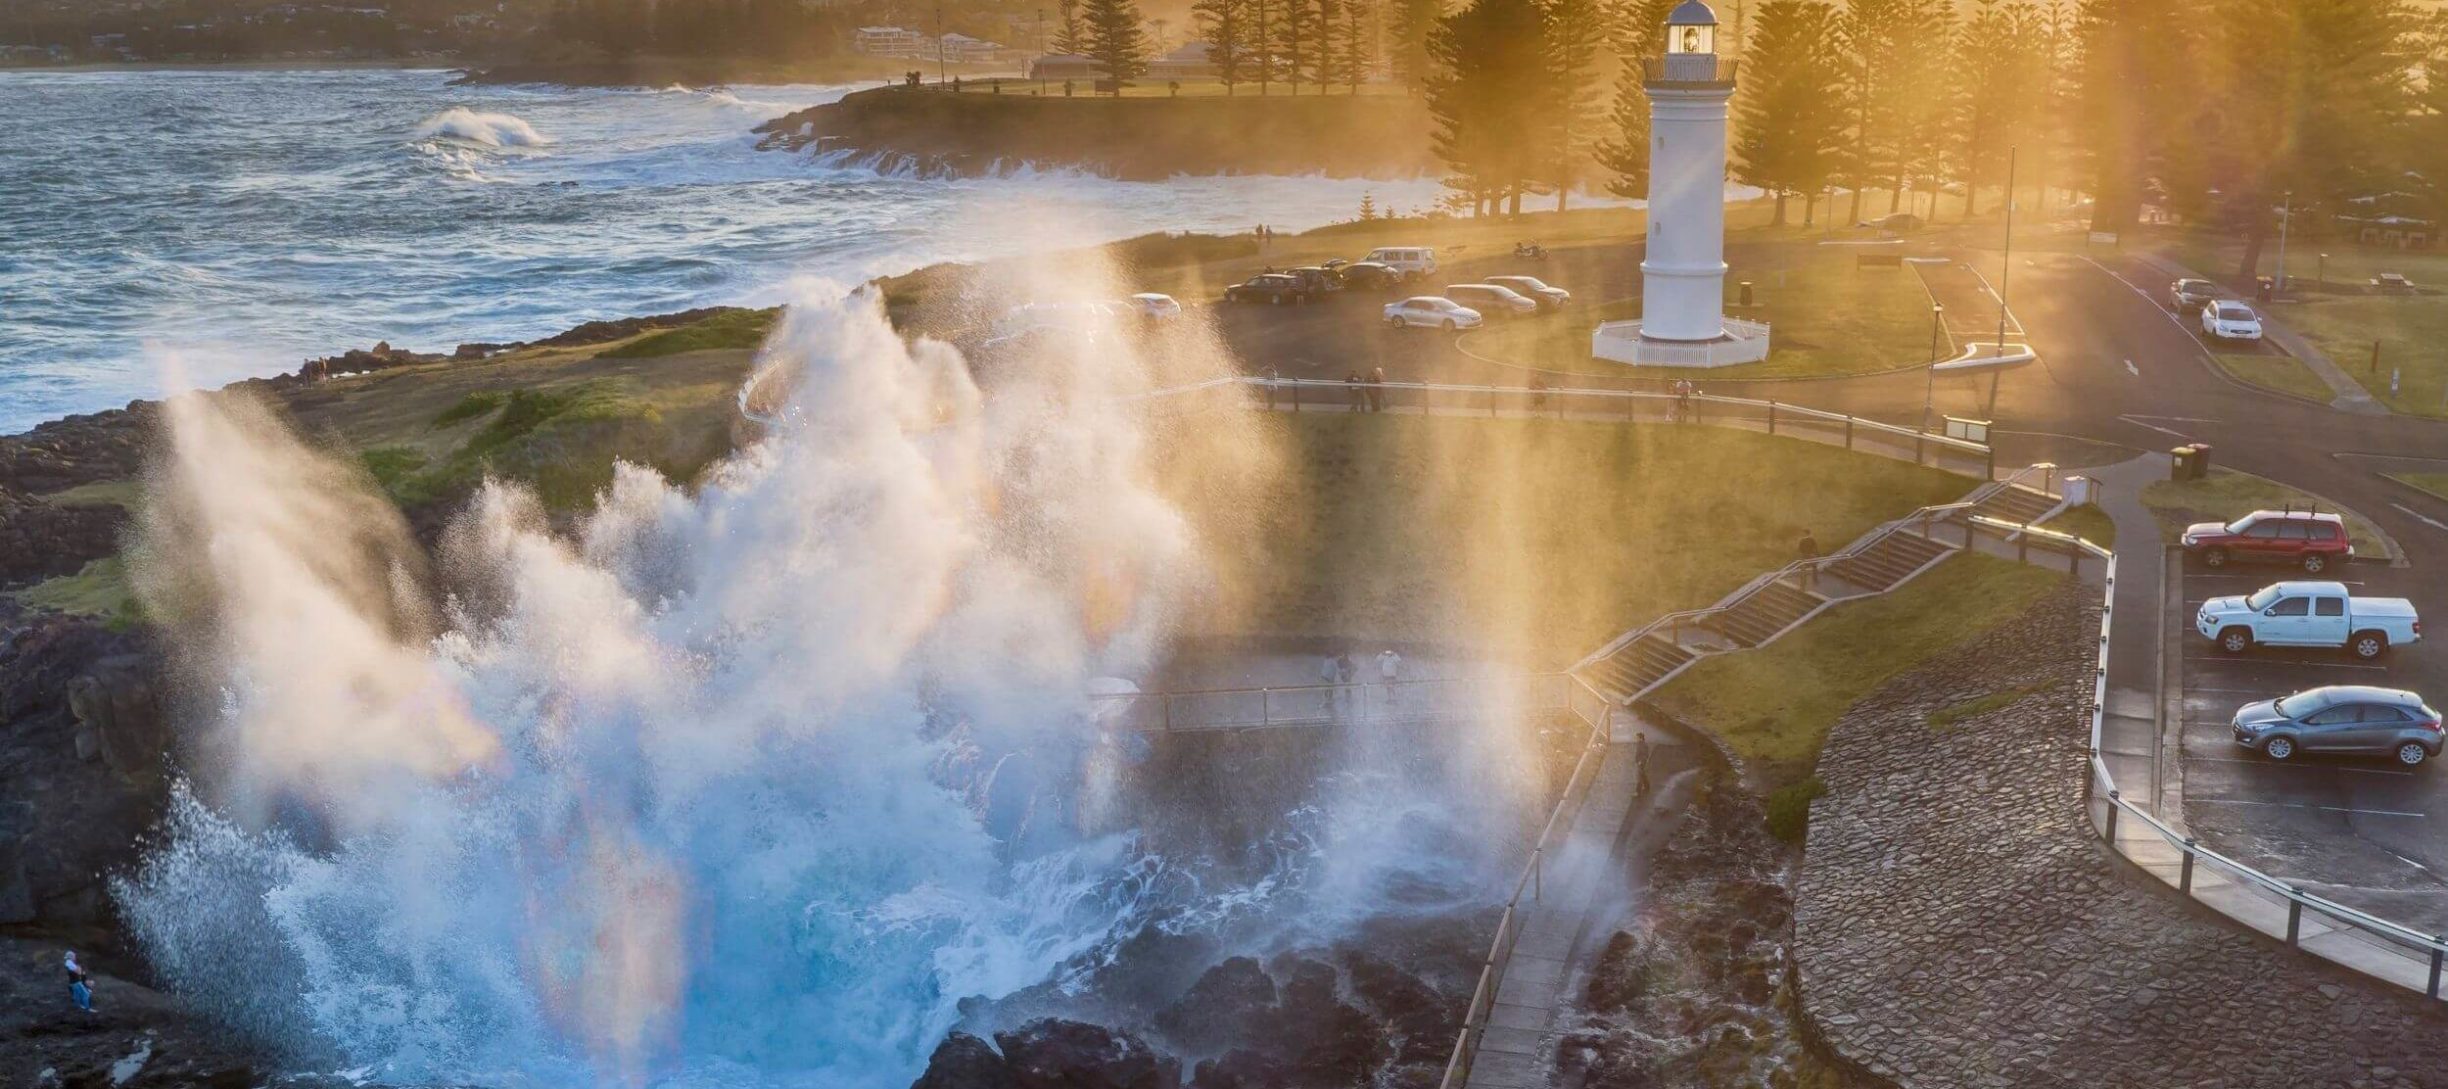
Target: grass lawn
[[1774, 706], [2435, 483], [2087, 522], [100, 589], [1538, 538], [2280, 372], [2228, 495], [2343, 320], [1829, 317]]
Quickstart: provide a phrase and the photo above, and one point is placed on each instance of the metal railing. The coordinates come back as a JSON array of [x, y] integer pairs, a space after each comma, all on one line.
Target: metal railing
[[1532, 884], [1357, 703], [2426, 955]]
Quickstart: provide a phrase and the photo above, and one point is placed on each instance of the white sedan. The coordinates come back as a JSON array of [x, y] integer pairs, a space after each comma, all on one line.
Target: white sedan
[[1154, 306], [1431, 312], [2230, 321]]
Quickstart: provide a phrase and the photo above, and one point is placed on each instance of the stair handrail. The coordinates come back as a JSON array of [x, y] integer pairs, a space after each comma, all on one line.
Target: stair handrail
[[1935, 512]]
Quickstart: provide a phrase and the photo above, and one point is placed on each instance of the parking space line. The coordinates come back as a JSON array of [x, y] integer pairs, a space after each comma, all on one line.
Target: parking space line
[[2306, 662], [2304, 805], [2420, 517], [2299, 767]]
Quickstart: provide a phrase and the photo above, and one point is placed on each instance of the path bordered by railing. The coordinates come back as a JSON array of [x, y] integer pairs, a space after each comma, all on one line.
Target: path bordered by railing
[[2347, 936]]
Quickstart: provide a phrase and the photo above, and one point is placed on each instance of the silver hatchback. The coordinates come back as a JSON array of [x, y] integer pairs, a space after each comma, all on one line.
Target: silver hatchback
[[2357, 720]]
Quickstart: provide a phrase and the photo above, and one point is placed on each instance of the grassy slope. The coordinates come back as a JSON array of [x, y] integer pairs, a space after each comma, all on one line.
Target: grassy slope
[[2283, 373], [2343, 322], [2087, 522], [2228, 495], [2435, 483], [1775, 705], [1829, 317], [1546, 537]]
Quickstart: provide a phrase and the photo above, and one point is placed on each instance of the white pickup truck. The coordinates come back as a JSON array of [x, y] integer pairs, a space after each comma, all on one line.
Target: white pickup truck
[[2309, 614]]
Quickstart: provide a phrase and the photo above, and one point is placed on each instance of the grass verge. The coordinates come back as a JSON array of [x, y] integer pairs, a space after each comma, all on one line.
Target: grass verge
[[2435, 483], [99, 589], [1829, 316], [1774, 706], [732, 330], [2227, 494], [2087, 522], [1545, 537], [2275, 371]]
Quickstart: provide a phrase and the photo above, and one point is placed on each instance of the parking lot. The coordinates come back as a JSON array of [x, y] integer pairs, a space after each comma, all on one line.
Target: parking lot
[[2360, 830]]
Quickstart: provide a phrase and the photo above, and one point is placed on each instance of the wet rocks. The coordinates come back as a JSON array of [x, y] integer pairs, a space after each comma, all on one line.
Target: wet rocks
[[963, 1061], [1058, 1054], [1229, 1003], [80, 789], [40, 539]]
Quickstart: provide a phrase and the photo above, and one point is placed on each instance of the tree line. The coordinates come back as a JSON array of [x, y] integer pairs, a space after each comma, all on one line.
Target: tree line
[[2214, 109]]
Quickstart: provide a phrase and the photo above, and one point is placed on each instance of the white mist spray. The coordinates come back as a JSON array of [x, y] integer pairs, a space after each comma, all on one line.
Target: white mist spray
[[679, 800]]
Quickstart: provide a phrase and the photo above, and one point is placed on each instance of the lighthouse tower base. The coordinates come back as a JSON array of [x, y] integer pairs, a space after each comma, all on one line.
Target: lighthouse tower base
[[1623, 342]]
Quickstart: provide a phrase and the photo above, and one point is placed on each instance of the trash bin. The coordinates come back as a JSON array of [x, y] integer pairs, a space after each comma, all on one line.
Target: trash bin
[[1746, 294], [2183, 467], [2263, 289], [2201, 460]]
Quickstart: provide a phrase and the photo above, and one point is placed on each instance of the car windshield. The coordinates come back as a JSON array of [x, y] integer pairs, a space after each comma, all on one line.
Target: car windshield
[[2194, 285], [2239, 525], [2235, 313], [2292, 706], [2262, 598]]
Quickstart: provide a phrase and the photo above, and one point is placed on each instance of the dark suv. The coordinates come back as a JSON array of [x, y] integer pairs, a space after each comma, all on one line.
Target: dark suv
[[1272, 287], [2299, 538]]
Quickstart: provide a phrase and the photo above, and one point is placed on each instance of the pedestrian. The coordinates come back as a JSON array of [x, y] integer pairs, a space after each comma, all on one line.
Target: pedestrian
[[80, 986], [1359, 397], [1682, 392], [1808, 546], [1389, 665], [1326, 669], [1640, 747], [1344, 667], [1377, 390], [1273, 376]]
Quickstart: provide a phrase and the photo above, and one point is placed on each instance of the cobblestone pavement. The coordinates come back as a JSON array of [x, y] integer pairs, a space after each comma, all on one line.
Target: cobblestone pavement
[[1957, 925]]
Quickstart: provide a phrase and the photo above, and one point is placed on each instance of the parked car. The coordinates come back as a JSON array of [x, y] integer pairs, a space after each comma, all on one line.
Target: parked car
[[1318, 279], [1154, 306], [2309, 614], [1370, 276], [2191, 295], [2300, 537], [1274, 288], [2350, 719], [2230, 321], [1412, 261], [1491, 300], [1432, 312], [1536, 290]]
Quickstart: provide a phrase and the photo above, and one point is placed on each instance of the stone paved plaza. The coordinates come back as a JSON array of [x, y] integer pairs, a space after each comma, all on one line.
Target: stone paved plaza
[[1958, 925]]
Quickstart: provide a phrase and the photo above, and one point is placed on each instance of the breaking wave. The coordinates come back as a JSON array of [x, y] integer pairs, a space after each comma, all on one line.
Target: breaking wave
[[479, 127]]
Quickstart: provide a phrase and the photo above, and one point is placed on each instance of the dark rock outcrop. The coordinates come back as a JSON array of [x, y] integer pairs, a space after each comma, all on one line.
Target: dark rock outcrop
[[136, 1038], [1227, 1004], [1056, 1054], [40, 539], [963, 1061], [80, 790]]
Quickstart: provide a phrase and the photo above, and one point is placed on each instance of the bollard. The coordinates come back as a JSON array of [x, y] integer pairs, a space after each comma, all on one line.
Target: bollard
[[2436, 957], [2185, 883], [1848, 432], [2294, 915], [1538, 873], [1772, 416], [2112, 818], [1296, 398]]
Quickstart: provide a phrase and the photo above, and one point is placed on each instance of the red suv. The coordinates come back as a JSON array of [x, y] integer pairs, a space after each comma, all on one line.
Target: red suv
[[2301, 538]]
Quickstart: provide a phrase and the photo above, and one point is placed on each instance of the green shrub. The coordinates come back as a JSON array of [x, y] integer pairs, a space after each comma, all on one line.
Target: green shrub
[[469, 407], [1789, 808]]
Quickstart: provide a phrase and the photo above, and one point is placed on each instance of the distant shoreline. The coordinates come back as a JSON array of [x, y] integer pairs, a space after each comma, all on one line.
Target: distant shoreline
[[428, 63]]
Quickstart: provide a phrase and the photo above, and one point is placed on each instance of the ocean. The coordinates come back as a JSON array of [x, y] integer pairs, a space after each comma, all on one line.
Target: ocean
[[241, 221]]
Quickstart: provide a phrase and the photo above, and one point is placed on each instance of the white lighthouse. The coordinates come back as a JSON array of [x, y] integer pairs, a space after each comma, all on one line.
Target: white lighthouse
[[1683, 319]]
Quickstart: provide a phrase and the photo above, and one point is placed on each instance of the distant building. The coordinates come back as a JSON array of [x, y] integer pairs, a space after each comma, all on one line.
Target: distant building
[[1055, 66], [959, 48], [1188, 62], [888, 41]]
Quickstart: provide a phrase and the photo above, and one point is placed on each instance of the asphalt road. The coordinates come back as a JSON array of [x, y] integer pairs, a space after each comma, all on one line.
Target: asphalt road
[[2118, 374]]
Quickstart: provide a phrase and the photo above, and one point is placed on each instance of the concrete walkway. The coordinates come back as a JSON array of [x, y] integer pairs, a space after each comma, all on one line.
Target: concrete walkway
[[2135, 734], [2347, 394], [1589, 882]]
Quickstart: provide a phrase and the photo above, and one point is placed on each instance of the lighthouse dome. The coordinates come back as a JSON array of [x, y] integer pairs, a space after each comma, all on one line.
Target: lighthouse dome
[[1692, 13]]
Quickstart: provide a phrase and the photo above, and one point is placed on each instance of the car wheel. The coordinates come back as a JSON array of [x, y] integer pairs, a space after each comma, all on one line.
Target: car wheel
[[2412, 754], [2235, 640], [2315, 564], [1275, 299], [1396, 321], [2369, 645], [2278, 748], [2216, 557]]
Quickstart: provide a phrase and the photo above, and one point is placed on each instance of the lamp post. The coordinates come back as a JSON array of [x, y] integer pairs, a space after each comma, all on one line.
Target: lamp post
[[2286, 219], [2320, 273], [2006, 264], [1929, 389]]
